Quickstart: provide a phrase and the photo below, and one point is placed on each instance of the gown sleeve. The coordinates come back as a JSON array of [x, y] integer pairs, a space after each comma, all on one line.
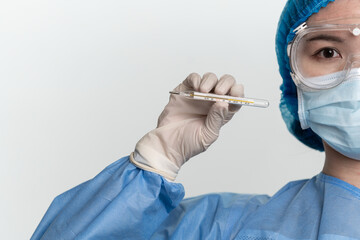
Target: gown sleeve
[[121, 202]]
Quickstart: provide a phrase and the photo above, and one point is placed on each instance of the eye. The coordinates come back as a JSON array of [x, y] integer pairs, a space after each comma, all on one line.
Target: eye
[[327, 53]]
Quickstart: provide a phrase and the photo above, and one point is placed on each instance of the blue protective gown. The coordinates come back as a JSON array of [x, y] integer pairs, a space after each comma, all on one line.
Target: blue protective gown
[[125, 202]]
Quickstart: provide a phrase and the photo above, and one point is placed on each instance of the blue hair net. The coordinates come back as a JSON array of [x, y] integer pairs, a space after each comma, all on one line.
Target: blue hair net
[[295, 13]]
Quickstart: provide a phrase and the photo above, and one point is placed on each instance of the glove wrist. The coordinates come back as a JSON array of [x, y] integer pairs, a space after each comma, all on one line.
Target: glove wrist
[[148, 159]]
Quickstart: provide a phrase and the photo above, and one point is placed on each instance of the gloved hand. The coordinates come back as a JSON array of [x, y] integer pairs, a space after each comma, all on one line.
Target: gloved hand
[[186, 127]]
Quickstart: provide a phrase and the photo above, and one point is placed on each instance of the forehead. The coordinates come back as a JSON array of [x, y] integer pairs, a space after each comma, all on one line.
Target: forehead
[[337, 12]]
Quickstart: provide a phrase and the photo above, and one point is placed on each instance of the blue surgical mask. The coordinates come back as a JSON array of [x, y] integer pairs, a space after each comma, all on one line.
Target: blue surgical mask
[[334, 114]]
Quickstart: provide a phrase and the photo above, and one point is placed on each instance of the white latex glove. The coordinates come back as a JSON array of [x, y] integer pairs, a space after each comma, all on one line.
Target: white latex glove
[[186, 127]]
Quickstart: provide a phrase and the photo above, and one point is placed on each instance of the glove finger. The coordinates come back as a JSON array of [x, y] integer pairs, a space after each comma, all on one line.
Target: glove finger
[[236, 90], [191, 83], [208, 82], [224, 85], [220, 113]]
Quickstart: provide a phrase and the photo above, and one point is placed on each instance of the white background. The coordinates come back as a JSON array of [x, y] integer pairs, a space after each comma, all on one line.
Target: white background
[[82, 81]]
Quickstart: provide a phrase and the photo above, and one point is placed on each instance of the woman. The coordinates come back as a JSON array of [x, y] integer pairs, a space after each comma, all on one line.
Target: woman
[[135, 198]]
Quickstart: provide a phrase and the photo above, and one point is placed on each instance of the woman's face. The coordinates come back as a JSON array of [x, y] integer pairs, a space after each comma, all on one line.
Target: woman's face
[[329, 51]]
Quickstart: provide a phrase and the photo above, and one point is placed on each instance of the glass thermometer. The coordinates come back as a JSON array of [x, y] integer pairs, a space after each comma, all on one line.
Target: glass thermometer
[[223, 98]]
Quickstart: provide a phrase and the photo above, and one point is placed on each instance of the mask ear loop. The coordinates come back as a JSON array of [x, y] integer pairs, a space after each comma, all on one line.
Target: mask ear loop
[[301, 109]]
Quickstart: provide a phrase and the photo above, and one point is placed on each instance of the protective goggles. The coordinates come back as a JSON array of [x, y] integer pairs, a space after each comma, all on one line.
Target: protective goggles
[[323, 56]]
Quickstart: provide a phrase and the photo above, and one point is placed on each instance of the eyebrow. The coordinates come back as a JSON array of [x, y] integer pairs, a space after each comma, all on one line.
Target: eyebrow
[[326, 38]]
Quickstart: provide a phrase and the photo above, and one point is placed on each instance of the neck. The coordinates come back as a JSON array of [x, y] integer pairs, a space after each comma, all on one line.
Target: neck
[[341, 167]]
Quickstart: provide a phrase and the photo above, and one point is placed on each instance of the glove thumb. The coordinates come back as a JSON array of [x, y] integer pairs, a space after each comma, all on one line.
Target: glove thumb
[[216, 118]]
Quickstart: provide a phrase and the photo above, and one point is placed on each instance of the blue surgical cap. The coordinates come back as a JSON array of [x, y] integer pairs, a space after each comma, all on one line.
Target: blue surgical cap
[[295, 13]]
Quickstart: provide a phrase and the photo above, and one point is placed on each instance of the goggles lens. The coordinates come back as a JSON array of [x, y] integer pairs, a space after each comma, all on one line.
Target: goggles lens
[[327, 50]]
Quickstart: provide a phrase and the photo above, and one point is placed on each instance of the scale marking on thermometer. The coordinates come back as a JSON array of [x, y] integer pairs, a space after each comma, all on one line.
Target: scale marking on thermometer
[[223, 98]]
